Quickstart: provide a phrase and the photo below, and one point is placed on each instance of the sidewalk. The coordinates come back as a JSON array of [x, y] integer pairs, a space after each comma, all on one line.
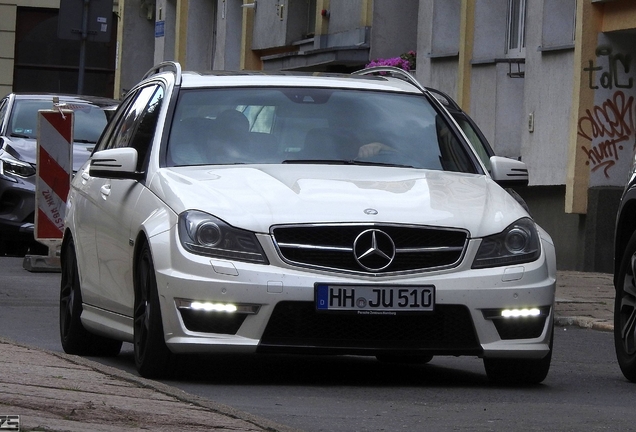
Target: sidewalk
[[585, 300], [53, 391]]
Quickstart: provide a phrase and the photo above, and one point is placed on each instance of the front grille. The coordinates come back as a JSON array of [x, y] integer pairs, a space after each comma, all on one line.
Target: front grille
[[333, 247], [298, 326], [206, 322]]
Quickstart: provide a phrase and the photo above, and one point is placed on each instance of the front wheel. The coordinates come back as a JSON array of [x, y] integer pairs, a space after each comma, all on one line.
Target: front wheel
[[625, 312], [152, 357], [74, 337]]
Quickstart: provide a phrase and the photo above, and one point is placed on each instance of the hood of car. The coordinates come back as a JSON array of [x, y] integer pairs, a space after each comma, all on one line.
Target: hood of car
[[258, 196], [25, 149]]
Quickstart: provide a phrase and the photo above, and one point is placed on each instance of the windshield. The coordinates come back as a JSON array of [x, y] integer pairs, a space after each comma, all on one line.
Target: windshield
[[89, 120], [309, 125]]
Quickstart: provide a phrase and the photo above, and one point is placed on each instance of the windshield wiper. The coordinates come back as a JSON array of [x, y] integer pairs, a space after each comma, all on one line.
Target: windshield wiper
[[84, 141], [17, 135], [344, 162], [319, 161], [384, 164]]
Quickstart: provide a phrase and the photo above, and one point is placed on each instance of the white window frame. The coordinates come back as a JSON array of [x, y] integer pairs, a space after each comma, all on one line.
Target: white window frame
[[516, 29]]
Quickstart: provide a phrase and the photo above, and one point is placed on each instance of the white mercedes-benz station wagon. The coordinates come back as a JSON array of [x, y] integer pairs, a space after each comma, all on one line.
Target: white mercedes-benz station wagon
[[305, 214]]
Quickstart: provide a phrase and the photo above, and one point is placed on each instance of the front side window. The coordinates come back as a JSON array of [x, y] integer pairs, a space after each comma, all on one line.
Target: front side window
[[134, 126], [516, 32], [310, 125]]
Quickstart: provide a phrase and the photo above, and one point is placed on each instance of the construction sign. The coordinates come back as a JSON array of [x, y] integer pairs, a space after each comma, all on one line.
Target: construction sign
[[54, 172]]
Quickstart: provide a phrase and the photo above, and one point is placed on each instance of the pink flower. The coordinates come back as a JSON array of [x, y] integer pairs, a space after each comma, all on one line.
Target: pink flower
[[405, 61]]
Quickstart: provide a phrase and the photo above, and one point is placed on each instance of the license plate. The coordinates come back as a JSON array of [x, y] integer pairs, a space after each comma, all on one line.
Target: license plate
[[374, 299]]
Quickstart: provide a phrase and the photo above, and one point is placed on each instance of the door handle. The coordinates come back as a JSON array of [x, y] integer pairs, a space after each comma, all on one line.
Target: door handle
[[85, 177]]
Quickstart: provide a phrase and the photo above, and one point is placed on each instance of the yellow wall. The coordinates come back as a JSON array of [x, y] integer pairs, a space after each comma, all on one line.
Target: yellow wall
[[588, 20], [181, 37], [619, 15], [249, 59], [591, 19]]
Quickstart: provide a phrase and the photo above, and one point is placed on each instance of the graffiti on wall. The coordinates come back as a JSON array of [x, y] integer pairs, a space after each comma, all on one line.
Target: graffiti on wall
[[610, 75], [609, 124], [606, 126]]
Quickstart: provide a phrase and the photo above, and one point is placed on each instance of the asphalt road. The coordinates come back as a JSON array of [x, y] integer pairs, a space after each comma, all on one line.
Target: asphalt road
[[584, 390]]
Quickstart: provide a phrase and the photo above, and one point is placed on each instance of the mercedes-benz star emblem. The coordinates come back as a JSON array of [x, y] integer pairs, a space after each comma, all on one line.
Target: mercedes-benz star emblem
[[370, 211], [373, 250]]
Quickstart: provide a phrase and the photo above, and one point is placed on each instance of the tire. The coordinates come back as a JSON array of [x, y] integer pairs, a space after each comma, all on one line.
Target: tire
[[504, 371], [625, 312], [152, 357], [74, 337]]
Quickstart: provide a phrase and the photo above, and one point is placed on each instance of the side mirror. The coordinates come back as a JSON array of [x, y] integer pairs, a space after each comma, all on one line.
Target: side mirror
[[118, 163], [508, 172]]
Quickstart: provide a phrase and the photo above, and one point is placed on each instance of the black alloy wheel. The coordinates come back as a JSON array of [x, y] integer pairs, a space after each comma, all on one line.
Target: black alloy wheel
[[152, 357], [625, 312], [74, 337]]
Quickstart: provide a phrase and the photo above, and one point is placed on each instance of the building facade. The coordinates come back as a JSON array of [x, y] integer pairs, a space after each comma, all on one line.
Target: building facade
[[549, 81], [37, 54]]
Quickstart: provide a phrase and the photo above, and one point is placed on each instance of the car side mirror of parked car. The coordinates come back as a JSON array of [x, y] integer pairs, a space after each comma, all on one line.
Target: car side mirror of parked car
[[120, 163], [508, 172]]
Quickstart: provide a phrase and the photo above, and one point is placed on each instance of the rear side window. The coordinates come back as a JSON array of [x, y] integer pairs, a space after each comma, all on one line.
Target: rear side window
[[475, 140]]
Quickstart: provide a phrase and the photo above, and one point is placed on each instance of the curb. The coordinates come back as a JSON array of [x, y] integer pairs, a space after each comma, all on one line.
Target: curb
[[585, 322]]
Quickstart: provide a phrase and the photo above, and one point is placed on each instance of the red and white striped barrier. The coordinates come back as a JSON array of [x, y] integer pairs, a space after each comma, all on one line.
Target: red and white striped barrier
[[54, 172]]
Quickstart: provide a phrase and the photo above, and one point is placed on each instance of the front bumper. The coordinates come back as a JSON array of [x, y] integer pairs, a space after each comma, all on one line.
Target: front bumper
[[17, 207], [279, 314]]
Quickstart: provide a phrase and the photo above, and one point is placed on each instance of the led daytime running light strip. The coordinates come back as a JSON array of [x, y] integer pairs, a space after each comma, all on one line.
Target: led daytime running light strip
[[520, 313], [213, 307], [208, 306]]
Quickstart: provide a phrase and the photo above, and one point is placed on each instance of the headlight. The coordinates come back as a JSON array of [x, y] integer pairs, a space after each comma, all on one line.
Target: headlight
[[519, 243], [203, 234], [12, 166]]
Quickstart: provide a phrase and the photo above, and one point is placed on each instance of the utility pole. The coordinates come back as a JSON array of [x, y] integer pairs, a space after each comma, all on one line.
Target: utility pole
[[84, 38]]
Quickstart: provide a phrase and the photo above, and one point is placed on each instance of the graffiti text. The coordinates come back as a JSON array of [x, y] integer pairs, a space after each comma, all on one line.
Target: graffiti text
[[610, 78], [612, 122]]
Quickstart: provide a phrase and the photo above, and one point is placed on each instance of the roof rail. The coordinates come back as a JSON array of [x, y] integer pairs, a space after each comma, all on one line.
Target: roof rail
[[445, 99], [174, 66], [394, 71]]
